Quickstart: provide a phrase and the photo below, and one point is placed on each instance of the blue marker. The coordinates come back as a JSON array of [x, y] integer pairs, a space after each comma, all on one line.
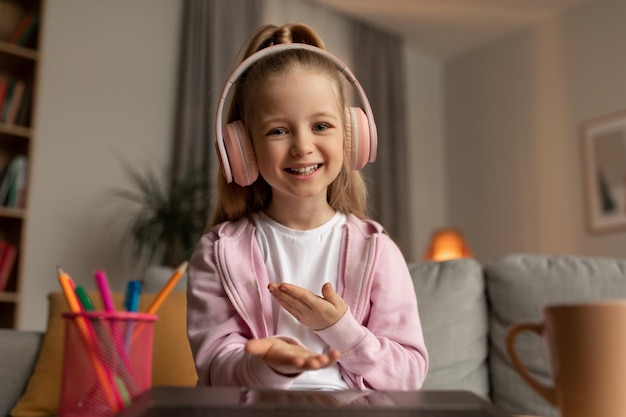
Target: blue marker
[[131, 304], [133, 290]]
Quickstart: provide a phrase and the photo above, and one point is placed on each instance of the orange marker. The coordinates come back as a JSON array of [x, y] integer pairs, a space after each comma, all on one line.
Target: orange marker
[[167, 288], [161, 296], [87, 335]]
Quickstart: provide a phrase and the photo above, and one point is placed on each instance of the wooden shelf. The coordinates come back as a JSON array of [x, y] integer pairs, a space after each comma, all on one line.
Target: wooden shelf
[[8, 297], [18, 64], [17, 60], [15, 131], [13, 213], [18, 52]]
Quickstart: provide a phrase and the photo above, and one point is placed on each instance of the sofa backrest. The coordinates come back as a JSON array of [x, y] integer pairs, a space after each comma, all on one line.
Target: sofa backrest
[[453, 311]]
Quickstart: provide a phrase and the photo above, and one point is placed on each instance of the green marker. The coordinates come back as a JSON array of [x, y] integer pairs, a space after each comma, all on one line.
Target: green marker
[[84, 299], [123, 391]]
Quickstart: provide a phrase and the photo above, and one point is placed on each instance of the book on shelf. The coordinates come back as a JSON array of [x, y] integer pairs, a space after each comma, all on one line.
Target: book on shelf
[[17, 187], [5, 182], [13, 184], [4, 86], [6, 103], [15, 103], [24, 112], [8, 253], [25, 30]]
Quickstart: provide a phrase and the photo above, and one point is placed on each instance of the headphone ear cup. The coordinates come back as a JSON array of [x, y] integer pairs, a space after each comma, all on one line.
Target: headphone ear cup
[[358, 137], [240, 153]]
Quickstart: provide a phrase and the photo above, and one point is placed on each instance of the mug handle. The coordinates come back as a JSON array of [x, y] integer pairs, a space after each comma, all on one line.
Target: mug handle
[[547, 392]]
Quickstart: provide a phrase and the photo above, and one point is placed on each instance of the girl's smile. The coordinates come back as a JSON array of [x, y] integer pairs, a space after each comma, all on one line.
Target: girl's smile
[[303, 170]]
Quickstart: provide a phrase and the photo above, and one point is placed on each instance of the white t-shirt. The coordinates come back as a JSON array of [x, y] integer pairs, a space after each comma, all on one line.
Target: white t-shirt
[[307, 258]]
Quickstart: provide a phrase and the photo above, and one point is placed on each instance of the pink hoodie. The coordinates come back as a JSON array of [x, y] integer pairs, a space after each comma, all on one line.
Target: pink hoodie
[[380, 337]]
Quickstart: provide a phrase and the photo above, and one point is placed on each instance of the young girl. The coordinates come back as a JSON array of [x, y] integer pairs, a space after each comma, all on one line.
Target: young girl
[[292, 287]]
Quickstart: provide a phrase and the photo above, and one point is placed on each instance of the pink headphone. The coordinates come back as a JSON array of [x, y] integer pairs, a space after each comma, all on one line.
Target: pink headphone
[[235, 147]]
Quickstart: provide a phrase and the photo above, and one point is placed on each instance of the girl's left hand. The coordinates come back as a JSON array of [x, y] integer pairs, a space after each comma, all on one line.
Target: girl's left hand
[[315, 312], [290, 359]]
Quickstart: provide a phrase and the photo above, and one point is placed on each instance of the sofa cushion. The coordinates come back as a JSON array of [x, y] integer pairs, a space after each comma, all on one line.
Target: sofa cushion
[[18, 353], [518, 286], [172, 359], [453, 311]]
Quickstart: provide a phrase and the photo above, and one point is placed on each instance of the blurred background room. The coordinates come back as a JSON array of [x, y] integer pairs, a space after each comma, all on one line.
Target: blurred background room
[[482, 106]]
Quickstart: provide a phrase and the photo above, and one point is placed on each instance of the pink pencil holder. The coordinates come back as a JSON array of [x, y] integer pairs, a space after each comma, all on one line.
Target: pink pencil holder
[[107, 361]]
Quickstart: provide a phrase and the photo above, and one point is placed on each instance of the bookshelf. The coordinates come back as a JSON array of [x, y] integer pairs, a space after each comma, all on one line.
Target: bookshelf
[[19, 64]]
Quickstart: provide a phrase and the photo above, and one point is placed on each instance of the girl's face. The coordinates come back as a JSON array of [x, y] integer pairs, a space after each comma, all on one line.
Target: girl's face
[[297, 131]]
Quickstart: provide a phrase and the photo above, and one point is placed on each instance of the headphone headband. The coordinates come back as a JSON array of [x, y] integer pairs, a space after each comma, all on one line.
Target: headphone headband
[[275, 49]]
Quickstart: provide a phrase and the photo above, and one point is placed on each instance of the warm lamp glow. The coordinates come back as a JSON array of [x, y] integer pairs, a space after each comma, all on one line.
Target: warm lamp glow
[[447, 244]]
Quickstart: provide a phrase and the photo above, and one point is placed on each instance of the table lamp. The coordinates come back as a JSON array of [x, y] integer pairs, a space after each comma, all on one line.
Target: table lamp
[[447, 243]]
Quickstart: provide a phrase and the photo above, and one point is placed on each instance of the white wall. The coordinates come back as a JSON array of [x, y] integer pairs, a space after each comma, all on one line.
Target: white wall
[[513, 116], [425, 104], [107, 89]]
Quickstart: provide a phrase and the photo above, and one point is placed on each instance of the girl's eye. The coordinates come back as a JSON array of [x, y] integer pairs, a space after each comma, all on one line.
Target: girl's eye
[[320, 127], [277, 132]]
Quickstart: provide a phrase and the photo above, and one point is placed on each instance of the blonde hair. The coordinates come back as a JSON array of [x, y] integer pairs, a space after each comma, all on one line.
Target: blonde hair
[[347, 193]]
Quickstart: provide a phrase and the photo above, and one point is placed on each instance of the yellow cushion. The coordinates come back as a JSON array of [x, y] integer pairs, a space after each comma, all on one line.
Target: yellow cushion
[[172, 362]]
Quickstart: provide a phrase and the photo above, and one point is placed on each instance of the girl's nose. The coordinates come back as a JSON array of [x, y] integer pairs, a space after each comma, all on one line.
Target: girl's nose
[[301, 144]]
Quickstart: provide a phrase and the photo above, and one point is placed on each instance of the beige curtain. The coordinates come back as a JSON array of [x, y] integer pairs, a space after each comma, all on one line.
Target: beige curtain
[[379, 66], [213, 32]]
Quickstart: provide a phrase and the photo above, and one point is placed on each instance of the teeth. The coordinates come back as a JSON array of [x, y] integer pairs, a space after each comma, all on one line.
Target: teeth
[[304, 170]]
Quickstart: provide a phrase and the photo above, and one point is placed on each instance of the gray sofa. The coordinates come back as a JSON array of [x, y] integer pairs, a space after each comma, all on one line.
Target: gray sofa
[[465, 309]]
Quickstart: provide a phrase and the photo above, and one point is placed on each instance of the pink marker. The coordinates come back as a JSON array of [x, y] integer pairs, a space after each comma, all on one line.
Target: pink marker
[[105, 290]]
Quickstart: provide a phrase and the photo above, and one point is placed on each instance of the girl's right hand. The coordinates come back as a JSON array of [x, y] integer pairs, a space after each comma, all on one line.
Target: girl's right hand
[[288, 358]]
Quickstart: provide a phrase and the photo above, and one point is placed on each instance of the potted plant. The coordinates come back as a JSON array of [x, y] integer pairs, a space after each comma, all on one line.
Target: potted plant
[[170, 214]]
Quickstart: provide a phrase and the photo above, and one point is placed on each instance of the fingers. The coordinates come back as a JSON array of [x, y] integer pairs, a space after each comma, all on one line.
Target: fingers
[[334, 355], [287, 358], [299, 299], [292, 298], [293, 293], [318, 361], [308, 308], [330, 294]]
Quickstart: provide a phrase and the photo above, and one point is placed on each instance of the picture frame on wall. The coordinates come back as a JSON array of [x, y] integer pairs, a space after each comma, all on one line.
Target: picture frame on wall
[[604, 170]]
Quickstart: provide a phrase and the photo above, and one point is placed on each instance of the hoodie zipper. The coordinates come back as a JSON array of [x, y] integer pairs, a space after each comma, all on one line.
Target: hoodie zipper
[[367, 291], [370, 276], [228, 291]]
